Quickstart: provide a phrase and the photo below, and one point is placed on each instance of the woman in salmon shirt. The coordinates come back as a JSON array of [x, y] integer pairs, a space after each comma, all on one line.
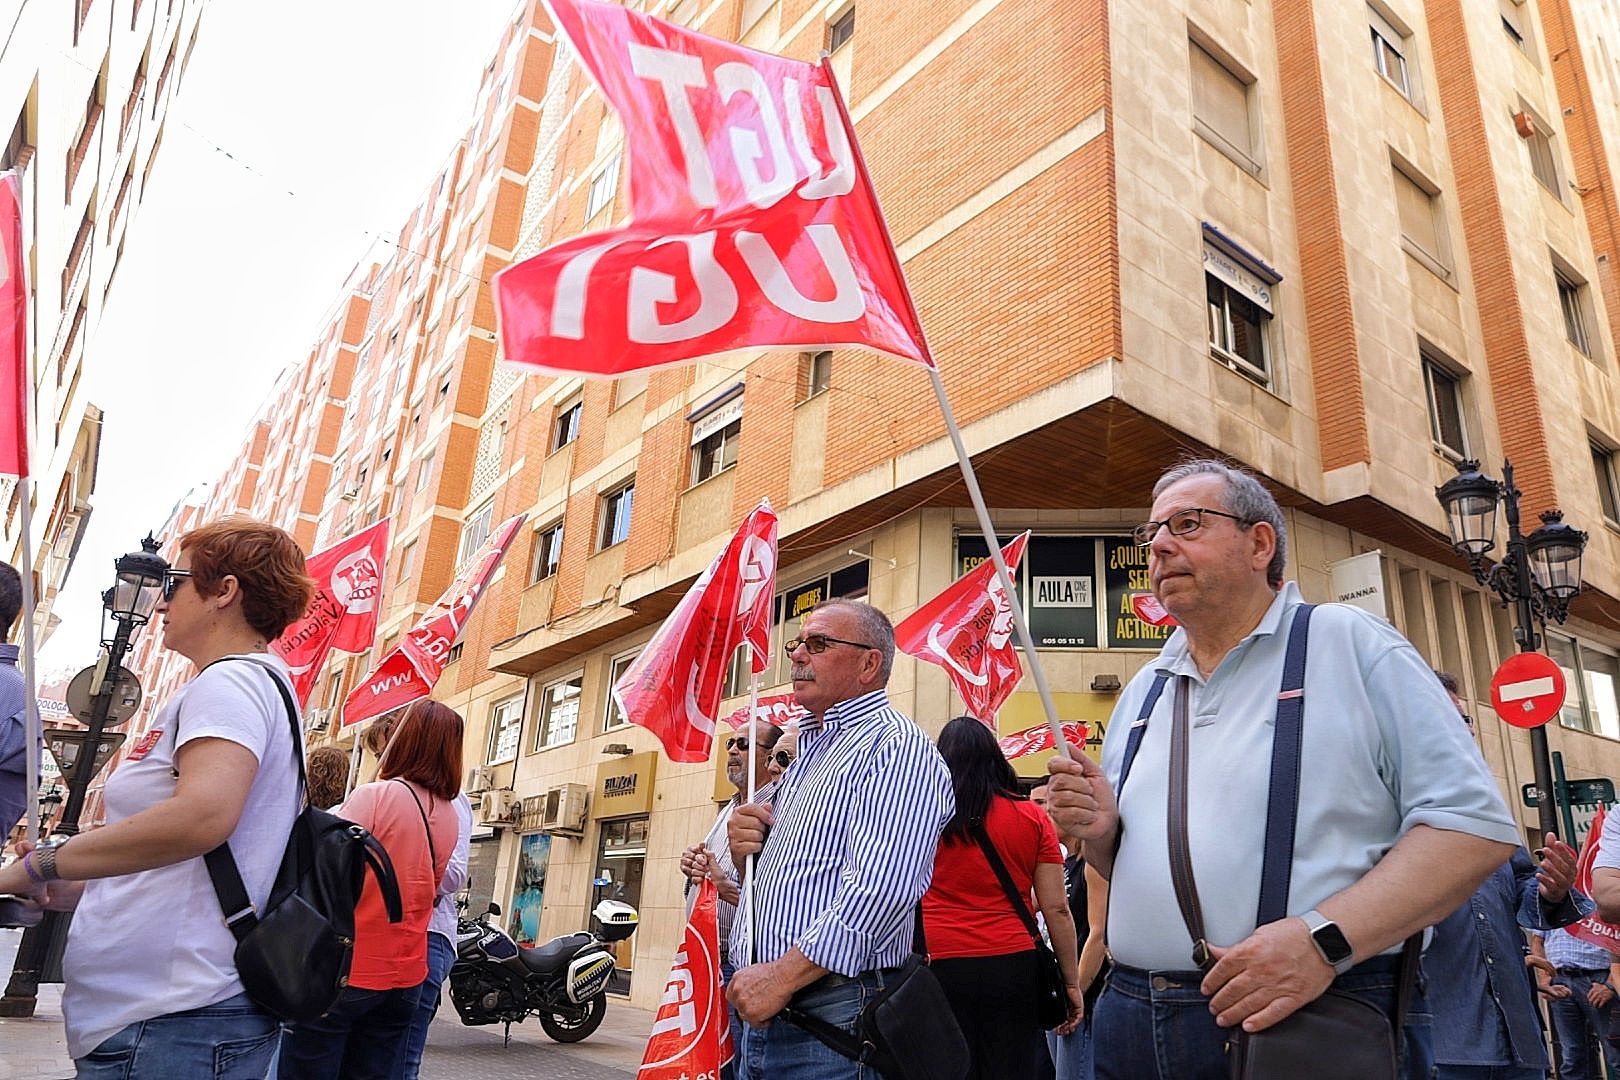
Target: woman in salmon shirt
[[978, 945], [408, 808]]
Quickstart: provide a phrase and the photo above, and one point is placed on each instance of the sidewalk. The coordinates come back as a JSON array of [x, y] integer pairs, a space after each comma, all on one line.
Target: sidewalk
[[35, 1049]]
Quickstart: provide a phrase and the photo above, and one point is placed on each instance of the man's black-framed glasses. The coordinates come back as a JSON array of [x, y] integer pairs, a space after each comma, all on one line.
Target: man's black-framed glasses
[[1182, 523], [816, 644], [171, 581]]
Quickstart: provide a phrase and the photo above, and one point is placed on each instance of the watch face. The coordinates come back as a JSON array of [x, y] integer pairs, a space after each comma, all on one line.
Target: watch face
[[1332, 943]]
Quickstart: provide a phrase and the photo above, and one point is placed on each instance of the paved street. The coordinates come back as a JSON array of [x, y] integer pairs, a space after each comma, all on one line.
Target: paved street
[[35, 1050]]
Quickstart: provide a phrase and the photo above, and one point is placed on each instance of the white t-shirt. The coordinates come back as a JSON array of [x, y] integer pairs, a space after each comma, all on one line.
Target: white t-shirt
[[1609, 841], [155, 942]]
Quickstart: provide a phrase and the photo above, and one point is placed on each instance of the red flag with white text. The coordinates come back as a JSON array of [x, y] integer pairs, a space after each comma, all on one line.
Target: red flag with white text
[[412, 668], [967, 630], [752, 220], [777, 710], [691, 1032], [13, 330], [343, 613], [1593, 929], [674, 686], [1034, 740]]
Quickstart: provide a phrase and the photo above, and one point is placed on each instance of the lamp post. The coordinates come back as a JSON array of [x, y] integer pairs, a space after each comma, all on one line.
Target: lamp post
[[130, 602], [1538, 576]]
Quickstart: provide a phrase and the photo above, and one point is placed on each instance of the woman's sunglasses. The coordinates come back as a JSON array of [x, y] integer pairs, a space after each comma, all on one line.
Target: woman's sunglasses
[[172, 580]]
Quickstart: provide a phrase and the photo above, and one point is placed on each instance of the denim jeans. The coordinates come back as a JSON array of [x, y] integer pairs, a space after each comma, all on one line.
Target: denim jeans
[[441, 954], [729, 1071], [782, 1051], [1488, 1072], [1575, 1020], [359, 1038], [1157, 1025], [1071, 1054], [229, 1040]]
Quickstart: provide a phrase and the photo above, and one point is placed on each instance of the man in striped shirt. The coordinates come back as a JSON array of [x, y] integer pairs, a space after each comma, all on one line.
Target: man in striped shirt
[[852, 836]]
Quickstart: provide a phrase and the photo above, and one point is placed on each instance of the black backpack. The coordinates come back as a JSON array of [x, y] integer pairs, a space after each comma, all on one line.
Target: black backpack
[[293, 957]]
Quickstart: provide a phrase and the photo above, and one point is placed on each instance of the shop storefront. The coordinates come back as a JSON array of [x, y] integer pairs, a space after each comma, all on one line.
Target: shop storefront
[[622, 806]]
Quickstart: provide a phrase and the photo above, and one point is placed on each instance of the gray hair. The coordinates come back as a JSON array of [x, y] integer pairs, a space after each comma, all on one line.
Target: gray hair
[[876, 628], [1244, 496]]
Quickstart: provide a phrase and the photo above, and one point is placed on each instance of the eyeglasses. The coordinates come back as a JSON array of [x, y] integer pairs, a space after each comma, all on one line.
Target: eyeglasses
[[816, 644], [172, 580], [782, 758], [737, 742], [1181, 523]]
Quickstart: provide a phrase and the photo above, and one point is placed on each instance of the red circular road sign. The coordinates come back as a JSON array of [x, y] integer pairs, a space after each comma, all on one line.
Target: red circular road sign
[[1527, 690]]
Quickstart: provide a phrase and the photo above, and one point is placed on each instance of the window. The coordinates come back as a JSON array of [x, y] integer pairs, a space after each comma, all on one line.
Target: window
[[559, 713], [1221, 110], [603, 185], [1389, 53], [424, 471], [616, 507], [1592, 675], [547, 552], [1516, 23], [1572, 299], [565, 429], [716, 453], [613, 716], [505, 728], [1422, 223], [1543, 154], [475, 532], [841, 31], [1445, 409], [1237, 330], [407, 560], [815, 373], [334, 689], [1608, 488]]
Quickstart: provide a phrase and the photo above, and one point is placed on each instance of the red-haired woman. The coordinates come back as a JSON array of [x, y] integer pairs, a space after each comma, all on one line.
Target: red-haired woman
[[408, 808], [151, 987]]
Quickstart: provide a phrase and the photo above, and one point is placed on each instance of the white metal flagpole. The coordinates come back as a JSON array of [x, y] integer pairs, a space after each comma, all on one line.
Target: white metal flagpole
[[753, 781], [32, 728]]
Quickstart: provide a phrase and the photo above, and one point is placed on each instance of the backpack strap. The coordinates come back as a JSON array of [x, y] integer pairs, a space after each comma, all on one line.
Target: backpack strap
[[433, 855], [1020, 905]]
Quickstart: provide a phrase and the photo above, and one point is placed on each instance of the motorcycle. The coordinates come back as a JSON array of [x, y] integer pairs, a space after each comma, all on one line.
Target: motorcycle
[[563, 982]]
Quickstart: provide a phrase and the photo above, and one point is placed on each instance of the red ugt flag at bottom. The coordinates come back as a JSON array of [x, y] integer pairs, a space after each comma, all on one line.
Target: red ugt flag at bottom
[[1593, 929], [13, 331], [691, 1035]]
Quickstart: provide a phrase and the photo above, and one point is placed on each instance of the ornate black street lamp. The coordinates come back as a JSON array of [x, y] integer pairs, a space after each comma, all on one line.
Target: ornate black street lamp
[[1537, 576]]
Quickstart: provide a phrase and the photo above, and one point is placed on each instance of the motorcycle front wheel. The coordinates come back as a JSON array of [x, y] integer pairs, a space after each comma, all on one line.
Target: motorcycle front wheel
[[566, 1030]]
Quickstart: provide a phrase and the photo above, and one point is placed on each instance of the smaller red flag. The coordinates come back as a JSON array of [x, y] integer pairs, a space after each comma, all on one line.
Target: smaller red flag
[[967, 630], [691, 1033], [412, 668], [1034, 740], [1593, 929], [13, 331], [343, 613], [673, 689], [778, 710]]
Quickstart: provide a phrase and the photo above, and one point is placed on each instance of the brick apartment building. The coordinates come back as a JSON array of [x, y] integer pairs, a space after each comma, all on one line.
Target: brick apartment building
[[1299, 235]]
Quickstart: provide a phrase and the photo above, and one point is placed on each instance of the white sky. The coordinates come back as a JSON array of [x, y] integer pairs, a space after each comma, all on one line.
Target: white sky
[[331, 118]]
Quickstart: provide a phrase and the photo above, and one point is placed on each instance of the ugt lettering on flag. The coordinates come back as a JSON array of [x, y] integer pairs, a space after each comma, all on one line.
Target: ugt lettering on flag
[[752, 220], [1593, 929], [343, 612], [691, 1034]]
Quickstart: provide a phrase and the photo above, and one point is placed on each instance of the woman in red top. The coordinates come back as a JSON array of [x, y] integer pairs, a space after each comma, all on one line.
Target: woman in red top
[[408, 808], [980, 947]]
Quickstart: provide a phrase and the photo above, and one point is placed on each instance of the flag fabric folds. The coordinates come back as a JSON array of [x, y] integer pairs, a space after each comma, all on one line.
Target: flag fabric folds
[[777, 710], [412, 668], [1593, 929], [1034, 740], [691, 1032], [13, 331], [343, 613], [752, 220], [967, 630], [673, 688]]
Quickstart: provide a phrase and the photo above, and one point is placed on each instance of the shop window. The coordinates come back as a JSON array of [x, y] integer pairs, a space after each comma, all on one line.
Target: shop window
[[559, 713]]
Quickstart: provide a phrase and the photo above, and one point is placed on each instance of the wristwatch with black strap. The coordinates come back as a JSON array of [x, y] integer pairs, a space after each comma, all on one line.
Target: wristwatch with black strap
[[1330, 941]]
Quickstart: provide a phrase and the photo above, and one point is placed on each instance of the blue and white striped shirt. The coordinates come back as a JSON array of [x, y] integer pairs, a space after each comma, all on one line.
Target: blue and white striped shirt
[[857, 821]]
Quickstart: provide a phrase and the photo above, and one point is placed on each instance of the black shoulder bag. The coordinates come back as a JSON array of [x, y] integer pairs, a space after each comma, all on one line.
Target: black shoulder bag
[[906, 1032], [1051, 993], [293, 957]]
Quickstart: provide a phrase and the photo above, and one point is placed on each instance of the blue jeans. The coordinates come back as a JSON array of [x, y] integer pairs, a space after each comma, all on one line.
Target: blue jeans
[[785, 1052], [228, 1040], [359, 1038], [1157, 1025], [440, 956], [730, 1070], [1071, 1054], [1488, 1072], [1575, 1020]]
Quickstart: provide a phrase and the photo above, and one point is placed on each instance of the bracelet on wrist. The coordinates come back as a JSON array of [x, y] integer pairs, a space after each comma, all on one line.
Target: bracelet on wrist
[[28, 866]]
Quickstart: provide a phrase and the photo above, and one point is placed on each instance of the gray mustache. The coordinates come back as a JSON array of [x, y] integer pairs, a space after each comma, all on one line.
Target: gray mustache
[[803, 674]]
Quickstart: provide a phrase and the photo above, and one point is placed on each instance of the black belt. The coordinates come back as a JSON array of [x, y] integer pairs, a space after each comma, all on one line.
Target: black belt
[[1583, 971], [833, 980]]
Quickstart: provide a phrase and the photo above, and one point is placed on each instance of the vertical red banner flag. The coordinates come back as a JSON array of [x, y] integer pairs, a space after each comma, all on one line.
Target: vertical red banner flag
[[412, 668], [673, 688], [967, 630], [1593, 929], [691, 1032], [13, 330], [343, 613], [752, 220]]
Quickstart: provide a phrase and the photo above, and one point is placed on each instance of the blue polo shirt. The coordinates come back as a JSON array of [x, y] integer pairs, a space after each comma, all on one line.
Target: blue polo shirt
[[1382, 751], [13, 740]]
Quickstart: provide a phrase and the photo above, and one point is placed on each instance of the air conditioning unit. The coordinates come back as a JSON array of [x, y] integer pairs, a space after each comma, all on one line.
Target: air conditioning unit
[[495, 808], [480, 779], [565, 809]]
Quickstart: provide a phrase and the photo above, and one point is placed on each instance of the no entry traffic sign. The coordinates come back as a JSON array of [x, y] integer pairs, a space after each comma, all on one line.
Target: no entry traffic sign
[[1528, 690]]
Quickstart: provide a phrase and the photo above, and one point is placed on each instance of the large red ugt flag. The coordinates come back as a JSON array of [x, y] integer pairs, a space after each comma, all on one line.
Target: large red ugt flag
[[1593, 929], [691, 1033], [752, 220], [343, 612], [13, 331]]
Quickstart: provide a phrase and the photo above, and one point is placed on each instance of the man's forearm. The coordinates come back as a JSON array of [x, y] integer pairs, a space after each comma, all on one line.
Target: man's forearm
[[1425, 877], [797, 970], [1098, 854]]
